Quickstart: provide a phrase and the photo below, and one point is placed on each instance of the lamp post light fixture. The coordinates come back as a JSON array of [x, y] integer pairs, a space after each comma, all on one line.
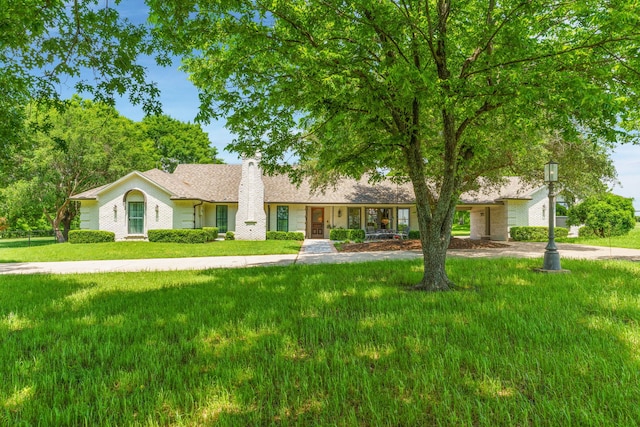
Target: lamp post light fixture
[[551, 173], [551, 254]]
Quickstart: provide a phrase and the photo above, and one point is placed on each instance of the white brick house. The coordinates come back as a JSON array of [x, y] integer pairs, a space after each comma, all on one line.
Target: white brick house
[[493, 213], [241, 199]]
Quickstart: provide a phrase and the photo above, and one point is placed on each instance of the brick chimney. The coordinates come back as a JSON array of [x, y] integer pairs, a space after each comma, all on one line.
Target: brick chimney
[[251, 220]]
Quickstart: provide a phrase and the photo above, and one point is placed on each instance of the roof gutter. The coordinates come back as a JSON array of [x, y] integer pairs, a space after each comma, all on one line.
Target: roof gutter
[[194, 212]]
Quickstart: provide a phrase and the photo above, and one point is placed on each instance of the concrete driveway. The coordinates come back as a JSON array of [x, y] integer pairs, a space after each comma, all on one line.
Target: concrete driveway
[[312, 252]]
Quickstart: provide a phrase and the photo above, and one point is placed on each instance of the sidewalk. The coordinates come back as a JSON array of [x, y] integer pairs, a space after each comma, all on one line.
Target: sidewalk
[[312, 252], [537, 249], [153, 264]]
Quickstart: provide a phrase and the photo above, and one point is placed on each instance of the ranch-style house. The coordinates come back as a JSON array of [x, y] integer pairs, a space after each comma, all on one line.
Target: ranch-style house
[[240, 198]]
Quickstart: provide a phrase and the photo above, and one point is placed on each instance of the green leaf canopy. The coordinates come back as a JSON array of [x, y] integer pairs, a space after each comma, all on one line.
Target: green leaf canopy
[[448, 94]]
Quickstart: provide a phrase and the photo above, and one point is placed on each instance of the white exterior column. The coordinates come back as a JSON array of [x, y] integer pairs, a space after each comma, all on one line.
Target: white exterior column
[[251, 220]]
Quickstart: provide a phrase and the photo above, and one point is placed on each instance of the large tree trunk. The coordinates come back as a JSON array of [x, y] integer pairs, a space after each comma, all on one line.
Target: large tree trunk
[[435, 235], [66, 226], [435, 276], [60, 237], [63, 218], [435, 204], [435, 219]]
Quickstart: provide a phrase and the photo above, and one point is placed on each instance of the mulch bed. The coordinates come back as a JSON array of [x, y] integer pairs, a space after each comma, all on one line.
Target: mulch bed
[[408, 245]]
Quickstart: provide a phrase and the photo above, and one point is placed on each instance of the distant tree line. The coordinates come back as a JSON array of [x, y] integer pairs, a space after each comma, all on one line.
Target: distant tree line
[[72, 146]]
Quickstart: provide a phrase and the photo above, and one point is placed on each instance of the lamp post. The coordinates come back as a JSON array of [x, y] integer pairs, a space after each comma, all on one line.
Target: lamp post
[[551, 255]]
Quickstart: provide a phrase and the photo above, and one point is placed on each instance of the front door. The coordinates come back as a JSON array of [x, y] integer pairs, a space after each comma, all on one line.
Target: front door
[[136, 217], [317, 223]]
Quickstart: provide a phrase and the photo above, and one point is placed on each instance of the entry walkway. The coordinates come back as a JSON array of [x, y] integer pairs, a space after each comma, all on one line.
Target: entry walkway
[[311, 252], [317, 246]]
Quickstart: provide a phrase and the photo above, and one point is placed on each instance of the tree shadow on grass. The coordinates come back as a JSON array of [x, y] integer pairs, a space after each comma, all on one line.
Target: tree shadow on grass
[[32, 293], [339, 344], [25, 243]]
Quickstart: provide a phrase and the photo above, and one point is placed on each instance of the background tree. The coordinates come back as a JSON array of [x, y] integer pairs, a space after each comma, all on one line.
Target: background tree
[[603, 215], [47, 44], [171, 142], [449, 94], [70, 150], [561, 209], [84, 145]]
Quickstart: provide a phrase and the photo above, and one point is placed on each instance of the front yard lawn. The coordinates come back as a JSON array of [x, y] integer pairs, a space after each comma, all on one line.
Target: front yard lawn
[[630, 241], [144, 250], [461, 230], [341, 345]]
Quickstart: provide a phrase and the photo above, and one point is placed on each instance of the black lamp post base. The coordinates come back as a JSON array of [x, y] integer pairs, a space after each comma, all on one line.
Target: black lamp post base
[[552, 263], [542, 270], [551, 260]]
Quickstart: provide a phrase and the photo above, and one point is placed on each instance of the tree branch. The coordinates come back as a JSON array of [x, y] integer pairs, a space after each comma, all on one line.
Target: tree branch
[[486, 107], [590, 46], [487, 46], [384, 37]]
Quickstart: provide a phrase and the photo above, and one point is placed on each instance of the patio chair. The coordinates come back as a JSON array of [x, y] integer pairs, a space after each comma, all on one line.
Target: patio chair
[[404, 234], [371, 234]]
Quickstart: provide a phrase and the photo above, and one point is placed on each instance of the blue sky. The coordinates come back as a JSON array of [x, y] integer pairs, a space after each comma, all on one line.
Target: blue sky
[[180, 101]]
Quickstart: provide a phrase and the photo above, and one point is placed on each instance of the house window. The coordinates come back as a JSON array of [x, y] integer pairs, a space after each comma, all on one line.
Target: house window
[[136, 217], [372, 219], [354, 218], [403, 219], [282, 218], [221, 218], [379, 218]]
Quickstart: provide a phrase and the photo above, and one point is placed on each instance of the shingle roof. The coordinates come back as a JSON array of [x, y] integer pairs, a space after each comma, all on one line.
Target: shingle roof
[[89, 194], [214, 183], [217, 183], [175, 187], [278, 189], [220, 183], [178, 188], [513, 189]]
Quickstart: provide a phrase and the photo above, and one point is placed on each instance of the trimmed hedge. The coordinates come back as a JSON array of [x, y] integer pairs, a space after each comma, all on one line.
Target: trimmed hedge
[[91, 236], [285, 235], [338, 234], [536, 234], [229, 235], [346, 234], [356, 234], [295, 235], [586, 231], [186, 235], [212, 233], [276, 235], [414, 234]]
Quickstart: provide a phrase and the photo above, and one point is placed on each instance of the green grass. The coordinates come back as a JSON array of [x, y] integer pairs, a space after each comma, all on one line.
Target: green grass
[[461, 230], [142, 250], [25, 243], [630, 241], [324, 345]]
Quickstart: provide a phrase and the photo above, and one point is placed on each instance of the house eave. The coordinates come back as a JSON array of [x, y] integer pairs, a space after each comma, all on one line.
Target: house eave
[[81, 199], [187, 199], [196, 199], [484, 203], [338, 203], [506, 199]]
